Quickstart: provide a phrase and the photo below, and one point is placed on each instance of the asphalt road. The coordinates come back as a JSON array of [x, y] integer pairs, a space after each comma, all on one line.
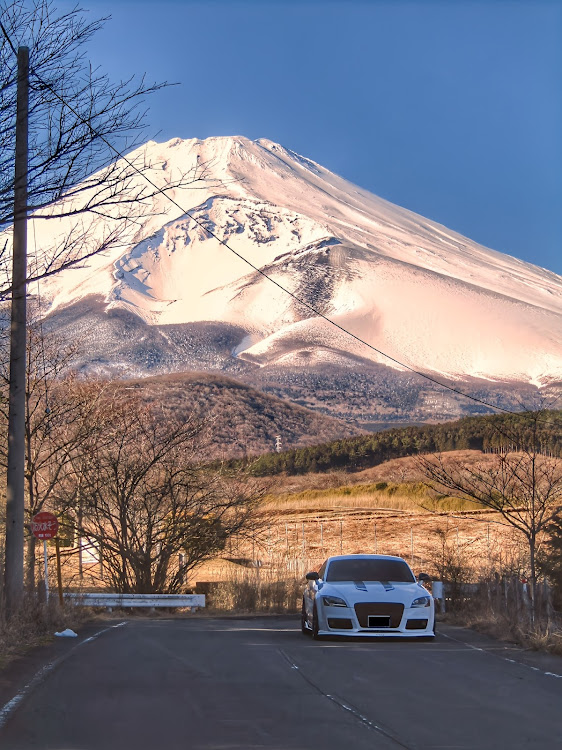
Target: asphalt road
[[225, 684]]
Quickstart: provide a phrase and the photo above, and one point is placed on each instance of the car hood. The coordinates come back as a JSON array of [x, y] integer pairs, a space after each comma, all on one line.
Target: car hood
[[369, 591]]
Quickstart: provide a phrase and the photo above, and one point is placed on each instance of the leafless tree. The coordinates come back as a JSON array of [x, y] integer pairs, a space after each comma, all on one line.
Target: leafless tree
[[76, 115], [60, 418], [520, 482], [550, 558], [149, 504]]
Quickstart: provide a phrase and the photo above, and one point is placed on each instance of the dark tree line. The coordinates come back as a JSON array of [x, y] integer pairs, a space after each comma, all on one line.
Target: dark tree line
[[486, 433]]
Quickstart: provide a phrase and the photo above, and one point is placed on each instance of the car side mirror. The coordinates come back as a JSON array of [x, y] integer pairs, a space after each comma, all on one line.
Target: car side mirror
[[312, 576], [423, 577]]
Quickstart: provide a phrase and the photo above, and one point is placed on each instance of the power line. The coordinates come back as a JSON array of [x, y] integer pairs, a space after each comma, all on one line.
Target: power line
[[12, 47], [249, 263]]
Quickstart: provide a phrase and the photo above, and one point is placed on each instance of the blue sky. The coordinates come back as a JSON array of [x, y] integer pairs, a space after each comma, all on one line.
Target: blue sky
[[452, 109]]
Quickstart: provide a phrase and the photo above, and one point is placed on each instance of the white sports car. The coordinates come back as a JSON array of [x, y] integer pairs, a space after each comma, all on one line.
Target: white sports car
[[367, 595]]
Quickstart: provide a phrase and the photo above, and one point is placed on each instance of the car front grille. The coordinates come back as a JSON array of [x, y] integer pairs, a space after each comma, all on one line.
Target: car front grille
[[392, 610]]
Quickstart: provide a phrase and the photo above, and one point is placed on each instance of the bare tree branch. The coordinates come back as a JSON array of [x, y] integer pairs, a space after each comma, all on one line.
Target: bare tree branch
[[520, 483], [77, 118]]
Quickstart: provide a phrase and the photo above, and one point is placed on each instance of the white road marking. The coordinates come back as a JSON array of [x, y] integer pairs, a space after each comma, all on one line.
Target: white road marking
[[503, 658], [351, 709], [468, 645], [11, 705], [7, 710]]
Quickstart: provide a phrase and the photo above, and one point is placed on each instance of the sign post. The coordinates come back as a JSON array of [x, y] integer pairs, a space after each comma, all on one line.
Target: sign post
[[46, 563], [59, 572], [45, 526]]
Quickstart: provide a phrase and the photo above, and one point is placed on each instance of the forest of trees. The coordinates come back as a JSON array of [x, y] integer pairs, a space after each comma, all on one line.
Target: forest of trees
[[354, 454]]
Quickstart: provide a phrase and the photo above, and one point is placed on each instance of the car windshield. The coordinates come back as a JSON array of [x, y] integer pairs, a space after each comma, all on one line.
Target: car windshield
[[370, 570]]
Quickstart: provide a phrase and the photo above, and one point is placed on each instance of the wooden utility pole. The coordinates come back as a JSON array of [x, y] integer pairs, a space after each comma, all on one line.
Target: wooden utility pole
[[13, 573]]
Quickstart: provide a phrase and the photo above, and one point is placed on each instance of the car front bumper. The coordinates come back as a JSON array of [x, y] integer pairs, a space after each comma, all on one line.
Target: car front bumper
[[414, 622]]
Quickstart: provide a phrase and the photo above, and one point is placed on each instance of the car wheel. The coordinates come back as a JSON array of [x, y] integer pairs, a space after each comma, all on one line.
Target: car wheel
[[304, 628], [315, 626]]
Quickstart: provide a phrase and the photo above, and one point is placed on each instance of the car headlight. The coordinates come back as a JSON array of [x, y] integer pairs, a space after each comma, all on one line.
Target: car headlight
[[334, 601], [421, 601]]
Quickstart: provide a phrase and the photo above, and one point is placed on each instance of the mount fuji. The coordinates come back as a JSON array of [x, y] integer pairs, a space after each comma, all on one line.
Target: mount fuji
[[171, 297]]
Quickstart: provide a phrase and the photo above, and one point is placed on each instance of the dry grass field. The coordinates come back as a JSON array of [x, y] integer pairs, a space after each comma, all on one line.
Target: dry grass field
[[267, 574], [388, 510]]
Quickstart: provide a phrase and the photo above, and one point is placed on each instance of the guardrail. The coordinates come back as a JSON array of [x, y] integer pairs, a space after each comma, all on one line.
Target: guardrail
[[137, 600]]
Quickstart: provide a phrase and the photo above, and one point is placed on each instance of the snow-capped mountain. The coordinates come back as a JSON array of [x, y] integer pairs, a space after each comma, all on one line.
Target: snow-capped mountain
[[411, 288]]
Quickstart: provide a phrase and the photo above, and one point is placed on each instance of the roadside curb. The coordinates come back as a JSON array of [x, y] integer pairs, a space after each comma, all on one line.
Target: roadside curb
[[25, 672]]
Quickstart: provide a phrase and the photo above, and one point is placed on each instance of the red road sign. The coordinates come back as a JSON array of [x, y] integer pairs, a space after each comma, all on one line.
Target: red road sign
[[44, 525]]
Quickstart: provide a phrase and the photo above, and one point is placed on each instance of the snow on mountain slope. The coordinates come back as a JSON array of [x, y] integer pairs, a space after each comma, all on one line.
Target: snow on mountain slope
[[410, 287]]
